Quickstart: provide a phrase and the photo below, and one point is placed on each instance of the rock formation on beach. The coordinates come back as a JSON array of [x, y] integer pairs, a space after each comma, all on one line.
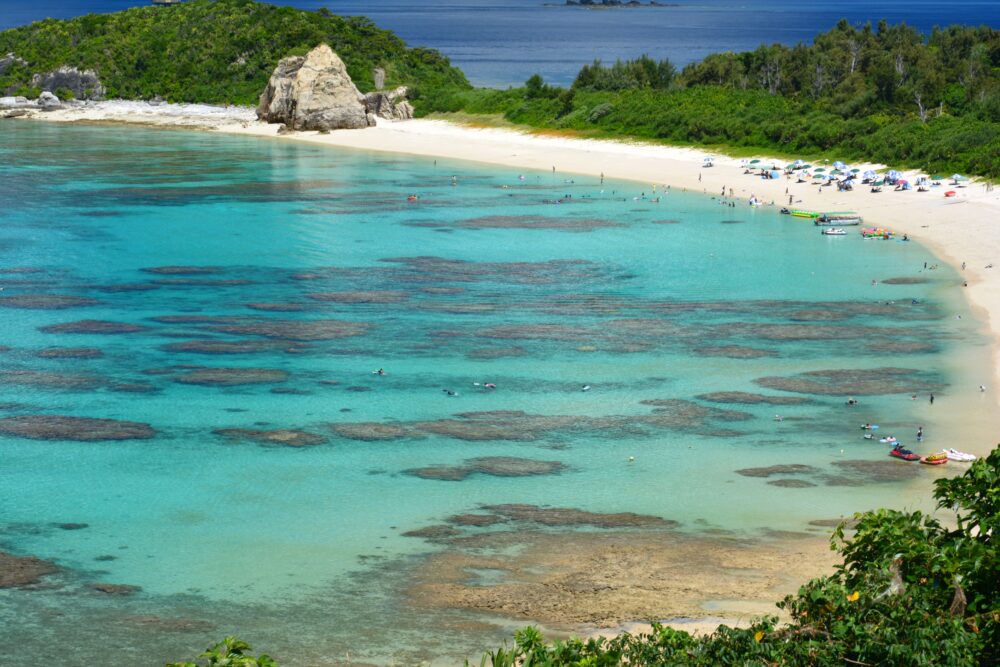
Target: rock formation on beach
[[84, 84], [391, 104], [315, 92]]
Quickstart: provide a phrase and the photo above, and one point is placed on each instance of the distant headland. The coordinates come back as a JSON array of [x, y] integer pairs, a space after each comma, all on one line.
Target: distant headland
[[611, 4]]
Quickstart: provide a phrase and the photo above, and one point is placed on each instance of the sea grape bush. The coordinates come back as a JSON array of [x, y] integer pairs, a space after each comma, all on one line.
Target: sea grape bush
[[910, 591], [230, 652]]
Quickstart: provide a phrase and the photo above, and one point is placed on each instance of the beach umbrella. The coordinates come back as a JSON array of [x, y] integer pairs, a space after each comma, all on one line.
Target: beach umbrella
[[754, 161], [937, 177], [855, 170], [868, 175], [958, 177], [836, 172], [807, 166], [818, 170], [798, 163], [839, 165]]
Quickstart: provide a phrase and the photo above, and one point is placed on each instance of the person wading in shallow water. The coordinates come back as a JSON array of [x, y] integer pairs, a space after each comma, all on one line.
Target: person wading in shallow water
[[932, 399]]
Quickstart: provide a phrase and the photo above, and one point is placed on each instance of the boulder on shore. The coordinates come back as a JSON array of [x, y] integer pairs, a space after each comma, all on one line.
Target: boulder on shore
[[48, 101], [391, 104], [84, 84], [313, 92]]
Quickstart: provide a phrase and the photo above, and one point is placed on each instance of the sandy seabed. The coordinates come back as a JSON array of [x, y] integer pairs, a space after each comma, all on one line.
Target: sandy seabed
[[587, 582]]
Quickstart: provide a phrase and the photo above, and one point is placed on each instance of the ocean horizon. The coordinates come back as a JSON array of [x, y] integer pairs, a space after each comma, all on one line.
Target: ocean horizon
[[502, 43]]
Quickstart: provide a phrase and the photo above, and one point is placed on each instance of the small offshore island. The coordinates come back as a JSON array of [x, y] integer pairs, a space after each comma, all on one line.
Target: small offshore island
[[289, 378], [611, 4]]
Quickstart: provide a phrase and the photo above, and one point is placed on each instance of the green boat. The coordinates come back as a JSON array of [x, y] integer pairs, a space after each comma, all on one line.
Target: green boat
[[798, 213]]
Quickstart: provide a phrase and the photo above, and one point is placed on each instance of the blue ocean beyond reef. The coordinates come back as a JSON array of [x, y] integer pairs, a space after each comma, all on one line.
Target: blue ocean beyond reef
[[503, 42], [236, 295]]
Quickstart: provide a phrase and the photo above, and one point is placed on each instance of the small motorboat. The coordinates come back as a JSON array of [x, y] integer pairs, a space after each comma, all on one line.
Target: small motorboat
[[937, 459], [905, 454], [834, 231], [963, 457]]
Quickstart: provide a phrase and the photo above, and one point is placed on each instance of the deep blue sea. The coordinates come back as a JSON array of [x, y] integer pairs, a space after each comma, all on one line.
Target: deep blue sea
[[503, 42], [224, 301]]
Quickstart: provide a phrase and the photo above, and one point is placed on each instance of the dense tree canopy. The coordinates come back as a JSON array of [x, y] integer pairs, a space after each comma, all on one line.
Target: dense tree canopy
[[211, 51], [887, 94]]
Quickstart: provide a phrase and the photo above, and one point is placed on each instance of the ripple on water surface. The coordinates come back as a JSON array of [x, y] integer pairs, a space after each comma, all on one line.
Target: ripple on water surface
[[191, 369]]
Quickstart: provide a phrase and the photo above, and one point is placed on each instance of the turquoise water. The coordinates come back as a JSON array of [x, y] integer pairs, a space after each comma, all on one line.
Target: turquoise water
[[542, 285]]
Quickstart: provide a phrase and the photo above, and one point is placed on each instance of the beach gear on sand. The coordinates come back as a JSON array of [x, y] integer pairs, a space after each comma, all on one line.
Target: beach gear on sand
[[963, 457]]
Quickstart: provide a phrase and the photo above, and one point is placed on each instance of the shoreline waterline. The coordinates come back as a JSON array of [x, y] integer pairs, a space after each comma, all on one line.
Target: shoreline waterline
[[943, 288], [645, 163]]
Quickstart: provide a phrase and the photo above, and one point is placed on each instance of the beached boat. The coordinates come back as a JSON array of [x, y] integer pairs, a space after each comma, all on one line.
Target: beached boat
[[845, 218], [844, 222], [834, 231], [937, 459], [904, 454], [963, 457]]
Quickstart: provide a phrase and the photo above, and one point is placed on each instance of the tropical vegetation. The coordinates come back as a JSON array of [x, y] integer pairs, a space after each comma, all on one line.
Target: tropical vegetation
[[911, 590], [211, 51], [887, 93]]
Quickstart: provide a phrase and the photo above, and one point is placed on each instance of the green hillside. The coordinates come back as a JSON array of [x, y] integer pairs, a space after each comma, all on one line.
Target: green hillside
[[887, 93], [212, 51]]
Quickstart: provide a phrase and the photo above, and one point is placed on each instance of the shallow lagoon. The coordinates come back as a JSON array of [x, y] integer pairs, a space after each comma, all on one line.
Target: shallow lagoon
[[259, 284]]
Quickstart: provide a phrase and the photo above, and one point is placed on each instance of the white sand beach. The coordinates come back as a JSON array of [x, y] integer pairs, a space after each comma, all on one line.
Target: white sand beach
[[963, 230]]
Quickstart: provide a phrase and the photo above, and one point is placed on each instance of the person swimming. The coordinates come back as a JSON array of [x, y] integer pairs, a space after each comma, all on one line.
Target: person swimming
[[450, 392], [585, 387], [380, 371]]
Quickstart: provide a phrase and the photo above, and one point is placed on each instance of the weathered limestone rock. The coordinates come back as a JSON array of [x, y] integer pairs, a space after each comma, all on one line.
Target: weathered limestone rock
[[314, 92], [14, 102], [7, 61], [391, 105], [83, 83], [48, 101], [379, 76]]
